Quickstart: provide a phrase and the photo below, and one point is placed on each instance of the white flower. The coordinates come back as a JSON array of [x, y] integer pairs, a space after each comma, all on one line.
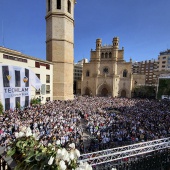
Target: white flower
[[114, 169], [58, 155], [16, 134], [65, 155], [28, 133], [77, 153], [49, 144], [58, 142], [59, 151], [21, 134], [63, 151], [28, 129], [36, 136], [62, 165], [72, 157], [84, 166], [72, 145], [50, 162]]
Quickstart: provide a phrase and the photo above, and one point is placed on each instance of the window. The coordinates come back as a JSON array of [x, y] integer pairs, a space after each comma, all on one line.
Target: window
[[105, 70], [37, 64], [69, 6], [38, 75], [47, 89], [49, 5], [24, 60], [58, 4], [14, 58], [48, 66], [106, 55], [17, 79], [11, 57], [87, 73], [47, 99], [37, 92], [125, 73], [5, 56], [102, 55], [47, 78], [110, 55]]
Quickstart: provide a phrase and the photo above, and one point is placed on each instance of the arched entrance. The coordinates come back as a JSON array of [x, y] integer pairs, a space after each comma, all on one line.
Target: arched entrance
[[123, 93], [87, 92], [104, 92]]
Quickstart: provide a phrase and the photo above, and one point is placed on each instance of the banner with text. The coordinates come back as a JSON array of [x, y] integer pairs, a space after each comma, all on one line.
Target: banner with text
[[15, 87]]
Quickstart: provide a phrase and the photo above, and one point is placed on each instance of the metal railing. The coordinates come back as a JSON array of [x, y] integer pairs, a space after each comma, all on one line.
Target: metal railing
[[109, 155], [6, 163]]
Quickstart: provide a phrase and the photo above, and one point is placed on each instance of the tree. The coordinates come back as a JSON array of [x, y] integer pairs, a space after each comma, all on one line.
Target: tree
[[35, 101], [1, 108], [18, 106], [145, 91]]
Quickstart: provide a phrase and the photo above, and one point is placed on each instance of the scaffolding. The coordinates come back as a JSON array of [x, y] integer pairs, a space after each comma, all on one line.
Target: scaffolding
[[109, 155]]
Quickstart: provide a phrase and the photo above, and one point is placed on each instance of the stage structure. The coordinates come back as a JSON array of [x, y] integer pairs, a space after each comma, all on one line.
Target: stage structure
[[163, 89], [110, 155], [15, 86]]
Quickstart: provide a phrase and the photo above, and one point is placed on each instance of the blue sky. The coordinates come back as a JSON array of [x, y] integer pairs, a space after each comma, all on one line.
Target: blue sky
[[143, 26]]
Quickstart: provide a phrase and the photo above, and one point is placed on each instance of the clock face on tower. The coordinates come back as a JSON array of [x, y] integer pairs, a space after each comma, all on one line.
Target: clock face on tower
[[105, 70]]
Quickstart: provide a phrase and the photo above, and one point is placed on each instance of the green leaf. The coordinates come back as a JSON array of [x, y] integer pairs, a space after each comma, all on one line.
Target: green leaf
[[19, 144], [11, 151], [39, 156]]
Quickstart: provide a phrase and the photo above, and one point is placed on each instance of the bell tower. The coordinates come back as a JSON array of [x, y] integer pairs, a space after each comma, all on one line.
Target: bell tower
[[60, 45]]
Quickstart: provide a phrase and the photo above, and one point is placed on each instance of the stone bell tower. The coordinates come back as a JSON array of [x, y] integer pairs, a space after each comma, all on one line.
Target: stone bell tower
[[60, 45]]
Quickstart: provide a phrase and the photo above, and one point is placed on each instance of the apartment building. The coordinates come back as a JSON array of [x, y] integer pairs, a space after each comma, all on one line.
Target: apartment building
[[78, 67], [164, 61], [148, 68]]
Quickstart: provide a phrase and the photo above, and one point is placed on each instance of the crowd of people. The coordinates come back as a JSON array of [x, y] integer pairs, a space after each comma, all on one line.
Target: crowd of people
[[136, 120], [109, 121]]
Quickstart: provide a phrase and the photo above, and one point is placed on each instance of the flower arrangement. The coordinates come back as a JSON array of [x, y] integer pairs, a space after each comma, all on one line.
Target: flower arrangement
[[30, 154]]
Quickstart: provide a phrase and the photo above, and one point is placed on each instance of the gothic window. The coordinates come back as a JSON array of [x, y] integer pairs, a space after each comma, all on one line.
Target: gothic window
[[105, 70], [58, 4], [49, 5], [69, 6], [106, 55], [110, 55], [102, 55], [125, 73], [87, 73]]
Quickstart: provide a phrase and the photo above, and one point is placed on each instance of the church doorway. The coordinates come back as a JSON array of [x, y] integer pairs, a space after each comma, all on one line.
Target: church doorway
[[123, 93], [104, 92], [87, 92]]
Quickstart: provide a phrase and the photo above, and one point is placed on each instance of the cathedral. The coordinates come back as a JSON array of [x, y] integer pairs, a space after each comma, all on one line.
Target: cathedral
[[107, 73]]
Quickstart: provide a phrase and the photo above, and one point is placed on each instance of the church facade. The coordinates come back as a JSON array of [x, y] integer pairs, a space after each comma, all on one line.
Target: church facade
[[107, 73]]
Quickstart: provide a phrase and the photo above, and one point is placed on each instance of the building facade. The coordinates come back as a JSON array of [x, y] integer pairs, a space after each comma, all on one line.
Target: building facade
[[43, 70], [107, 73], [164, 61], [60, 45], [147, 68], [78, 68]]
